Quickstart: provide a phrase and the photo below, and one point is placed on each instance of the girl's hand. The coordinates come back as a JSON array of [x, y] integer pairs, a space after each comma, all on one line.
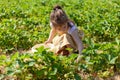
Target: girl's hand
[[46, 42]]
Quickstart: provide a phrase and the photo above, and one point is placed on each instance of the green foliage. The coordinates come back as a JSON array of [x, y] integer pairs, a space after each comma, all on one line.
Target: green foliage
[[24, 23], [40, 65]]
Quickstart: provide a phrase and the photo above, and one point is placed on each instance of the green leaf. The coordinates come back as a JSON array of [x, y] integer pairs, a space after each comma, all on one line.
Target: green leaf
[[18, 71], [40, 49], [54, 71], [40, 72], [10, 71], [113, 60], [14, 56], [87, 59], [3, 57], [8, 62], [73, 56], [117, 41], [31, 63], [1, 77], [77, 77]]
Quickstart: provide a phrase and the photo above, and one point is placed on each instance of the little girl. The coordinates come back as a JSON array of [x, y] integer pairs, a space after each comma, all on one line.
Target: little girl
[[68, 35], [60, 24]]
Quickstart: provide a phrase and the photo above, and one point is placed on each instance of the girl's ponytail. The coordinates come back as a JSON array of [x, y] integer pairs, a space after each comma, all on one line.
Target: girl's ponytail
[[57, 7]]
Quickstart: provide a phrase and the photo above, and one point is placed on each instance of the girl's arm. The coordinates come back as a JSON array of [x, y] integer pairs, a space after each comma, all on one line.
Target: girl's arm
[[77, 40], [51, 36]]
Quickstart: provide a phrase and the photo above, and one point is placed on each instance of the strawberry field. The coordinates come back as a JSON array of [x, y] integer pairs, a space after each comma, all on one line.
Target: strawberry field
[[24, 23]]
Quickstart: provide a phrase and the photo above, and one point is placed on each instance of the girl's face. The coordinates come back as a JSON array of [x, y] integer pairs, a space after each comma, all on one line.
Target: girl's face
[[62, 28]]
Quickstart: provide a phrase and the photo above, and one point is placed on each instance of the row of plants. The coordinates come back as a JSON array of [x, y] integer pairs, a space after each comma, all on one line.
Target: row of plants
[[46, 65], [37, 66], [25, 23]]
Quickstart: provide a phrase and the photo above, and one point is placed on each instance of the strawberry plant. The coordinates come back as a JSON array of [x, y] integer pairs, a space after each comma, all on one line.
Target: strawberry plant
[[40, 65], [24, 23]]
